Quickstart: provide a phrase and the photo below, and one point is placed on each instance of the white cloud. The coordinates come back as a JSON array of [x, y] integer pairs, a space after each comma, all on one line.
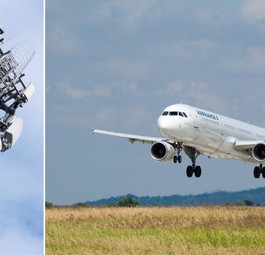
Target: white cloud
[[138, 11], [254, 11], [256, 58], [72, 91], [203, 95], [182, 52], [124, 88], [137, 117], [18, 241], [129, 13], [62, 41], [251, 60], [132, 118], [117, 88], [105, 116], [103, 91], [123, 68], [173, 89], [200, 93]]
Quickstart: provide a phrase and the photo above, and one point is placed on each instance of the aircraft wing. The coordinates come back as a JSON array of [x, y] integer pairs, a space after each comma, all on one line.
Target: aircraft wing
[[246, 145], [131, 138]]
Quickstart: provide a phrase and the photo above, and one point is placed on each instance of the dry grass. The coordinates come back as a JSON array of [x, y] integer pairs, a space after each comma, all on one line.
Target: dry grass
[[159, 230]]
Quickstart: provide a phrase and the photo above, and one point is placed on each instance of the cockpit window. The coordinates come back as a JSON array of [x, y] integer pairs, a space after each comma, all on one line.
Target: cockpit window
[[181, 114], [165, 113]]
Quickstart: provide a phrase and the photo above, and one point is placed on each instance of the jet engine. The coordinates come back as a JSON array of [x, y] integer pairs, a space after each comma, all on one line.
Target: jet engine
[[258, 152], [162, 151]]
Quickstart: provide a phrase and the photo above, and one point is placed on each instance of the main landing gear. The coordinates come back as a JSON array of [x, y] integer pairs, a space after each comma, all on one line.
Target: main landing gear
[[194, 169], [193, 154], [259, 170]]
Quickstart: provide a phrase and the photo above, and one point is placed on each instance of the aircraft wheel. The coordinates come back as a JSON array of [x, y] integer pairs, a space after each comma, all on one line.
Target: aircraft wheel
[[189, 171], [179, 159], [263, 172], [198, 171], [257, 172]]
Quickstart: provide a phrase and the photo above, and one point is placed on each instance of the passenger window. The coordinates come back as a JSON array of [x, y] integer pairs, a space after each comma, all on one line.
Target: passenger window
[[180, 113], [173, 113], [165, 113], [185, 115]]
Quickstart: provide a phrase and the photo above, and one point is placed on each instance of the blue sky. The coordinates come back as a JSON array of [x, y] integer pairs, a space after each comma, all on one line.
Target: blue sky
[[21, 182], [116, 65]]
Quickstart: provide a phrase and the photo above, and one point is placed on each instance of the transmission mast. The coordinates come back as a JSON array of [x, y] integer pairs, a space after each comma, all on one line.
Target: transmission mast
[[13, 92]]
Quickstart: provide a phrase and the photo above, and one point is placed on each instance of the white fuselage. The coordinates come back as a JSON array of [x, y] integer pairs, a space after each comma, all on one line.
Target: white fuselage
[[210, 133]]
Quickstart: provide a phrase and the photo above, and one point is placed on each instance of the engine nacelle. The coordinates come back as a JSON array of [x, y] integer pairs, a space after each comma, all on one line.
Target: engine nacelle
[[258, 152], [162, 151]]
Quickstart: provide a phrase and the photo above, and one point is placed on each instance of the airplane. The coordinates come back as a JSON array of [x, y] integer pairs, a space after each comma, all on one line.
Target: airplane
[[202, 132]]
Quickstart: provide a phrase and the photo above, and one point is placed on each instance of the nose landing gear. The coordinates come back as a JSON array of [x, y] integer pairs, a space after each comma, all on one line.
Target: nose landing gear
[[178, 158]]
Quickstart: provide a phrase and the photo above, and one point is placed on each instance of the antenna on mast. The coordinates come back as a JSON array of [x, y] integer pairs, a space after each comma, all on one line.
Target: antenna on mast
[[13, 92]]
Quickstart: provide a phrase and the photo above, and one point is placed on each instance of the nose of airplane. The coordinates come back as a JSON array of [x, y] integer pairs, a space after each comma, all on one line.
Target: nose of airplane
[[164, 126], [171, 127]]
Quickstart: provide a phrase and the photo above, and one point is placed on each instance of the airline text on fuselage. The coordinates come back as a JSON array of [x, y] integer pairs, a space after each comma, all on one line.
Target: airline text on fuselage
[[208, 115]]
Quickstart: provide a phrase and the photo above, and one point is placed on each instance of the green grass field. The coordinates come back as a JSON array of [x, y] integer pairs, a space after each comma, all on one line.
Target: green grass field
[[156, 230]]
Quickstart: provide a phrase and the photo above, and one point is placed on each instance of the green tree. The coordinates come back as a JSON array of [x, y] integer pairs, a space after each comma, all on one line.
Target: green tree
[[128, 202], [48, 205], [81, 204], [248, 203]]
